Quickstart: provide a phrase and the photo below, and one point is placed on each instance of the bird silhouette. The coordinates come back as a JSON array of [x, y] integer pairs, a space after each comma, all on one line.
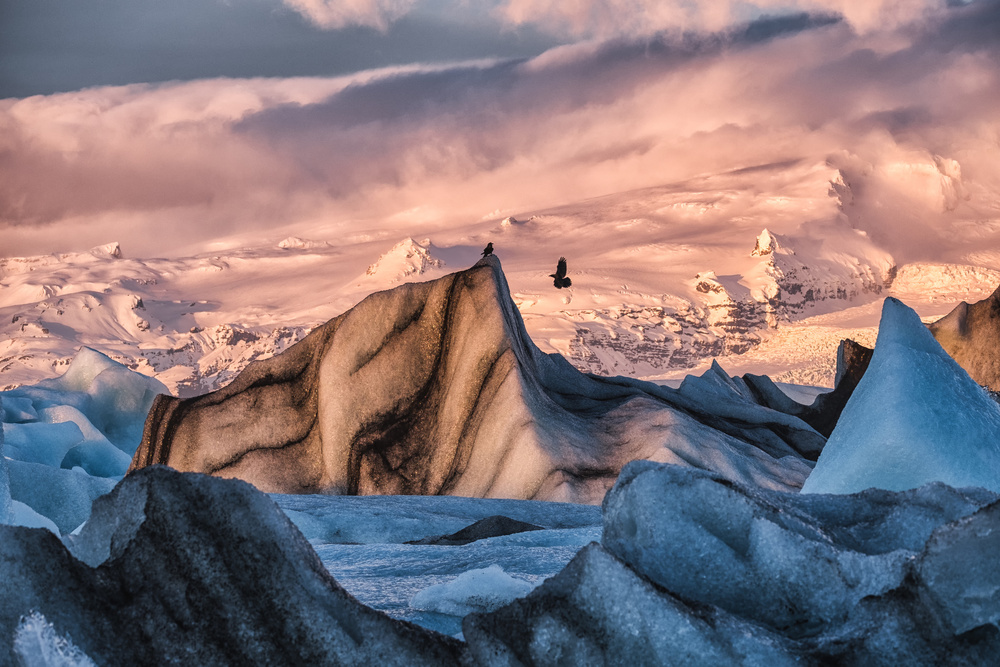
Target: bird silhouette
[[559, 278], [488, 250]]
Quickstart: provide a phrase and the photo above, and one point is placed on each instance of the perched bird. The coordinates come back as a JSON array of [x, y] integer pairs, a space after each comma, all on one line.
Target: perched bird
[[559, 278], [488, 250]]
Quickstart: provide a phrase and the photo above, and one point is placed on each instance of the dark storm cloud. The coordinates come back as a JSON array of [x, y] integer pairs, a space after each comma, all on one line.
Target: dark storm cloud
[[50, 46]]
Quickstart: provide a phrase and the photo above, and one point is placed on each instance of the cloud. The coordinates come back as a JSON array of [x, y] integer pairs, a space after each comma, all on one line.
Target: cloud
[[901, 130], [333, 14], [609, 18]]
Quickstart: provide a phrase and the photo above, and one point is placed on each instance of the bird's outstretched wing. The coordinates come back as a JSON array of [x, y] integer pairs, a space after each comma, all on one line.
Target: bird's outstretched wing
[[561, 268]]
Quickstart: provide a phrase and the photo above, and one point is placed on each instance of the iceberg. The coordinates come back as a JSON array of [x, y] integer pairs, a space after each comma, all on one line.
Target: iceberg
[[435, 388], [5, 499], [694, 569], [691, 567], [68, 440], [196, 570], [916, 417]]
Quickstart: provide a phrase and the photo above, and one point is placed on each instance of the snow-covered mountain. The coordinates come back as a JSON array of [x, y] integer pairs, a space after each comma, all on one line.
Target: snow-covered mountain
[[766, 268], [195, 322]]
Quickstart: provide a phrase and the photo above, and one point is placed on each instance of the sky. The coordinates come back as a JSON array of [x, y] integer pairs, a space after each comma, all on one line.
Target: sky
[[169, 125]]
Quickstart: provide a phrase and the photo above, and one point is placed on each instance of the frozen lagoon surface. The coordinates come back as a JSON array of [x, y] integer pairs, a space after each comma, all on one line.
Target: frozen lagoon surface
[[362, 542]]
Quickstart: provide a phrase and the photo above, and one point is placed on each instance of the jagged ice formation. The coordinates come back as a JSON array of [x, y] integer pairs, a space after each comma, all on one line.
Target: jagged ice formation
[[915, 417], [436, 388]]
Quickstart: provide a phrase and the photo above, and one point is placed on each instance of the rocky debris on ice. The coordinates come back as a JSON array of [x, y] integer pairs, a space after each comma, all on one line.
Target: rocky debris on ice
[[970, 333], [915, 417], [436, 388], [695, 568], [187, 569]]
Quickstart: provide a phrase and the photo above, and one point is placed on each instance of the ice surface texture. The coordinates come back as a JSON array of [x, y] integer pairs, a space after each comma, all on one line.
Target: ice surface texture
[[435, 388], [695, 569], [386, 549], [915, 417], [197, 571], [71, 439], [692, 569]]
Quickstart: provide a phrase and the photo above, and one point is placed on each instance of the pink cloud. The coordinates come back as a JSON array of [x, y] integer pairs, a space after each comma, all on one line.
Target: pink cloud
[[332, 14], [907, 124]]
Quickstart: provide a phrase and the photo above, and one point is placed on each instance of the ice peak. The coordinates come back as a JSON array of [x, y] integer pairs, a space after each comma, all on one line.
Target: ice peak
[[406, 258], [916, 417], [901, 325], [296, 243], [111, 250]]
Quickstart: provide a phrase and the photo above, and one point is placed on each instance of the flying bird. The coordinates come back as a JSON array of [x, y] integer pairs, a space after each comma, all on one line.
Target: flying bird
[[559, 278], [488, 250]]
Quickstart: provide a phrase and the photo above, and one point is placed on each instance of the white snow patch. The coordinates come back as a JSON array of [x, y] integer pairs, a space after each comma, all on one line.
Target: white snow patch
[[481, 590], [296, 243], [403, 262]]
